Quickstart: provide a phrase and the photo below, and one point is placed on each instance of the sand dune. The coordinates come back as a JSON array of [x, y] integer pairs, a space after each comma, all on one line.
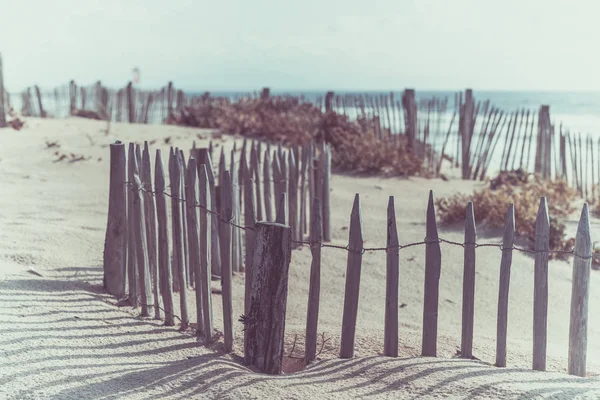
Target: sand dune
[[61, 337]]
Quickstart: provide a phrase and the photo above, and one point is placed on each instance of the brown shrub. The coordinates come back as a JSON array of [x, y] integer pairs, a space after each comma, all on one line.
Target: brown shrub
[[355, 146], [524, 190]]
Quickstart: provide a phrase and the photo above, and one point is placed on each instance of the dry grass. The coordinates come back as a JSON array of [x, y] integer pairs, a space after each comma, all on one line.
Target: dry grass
[[356, 147], [524, 190]]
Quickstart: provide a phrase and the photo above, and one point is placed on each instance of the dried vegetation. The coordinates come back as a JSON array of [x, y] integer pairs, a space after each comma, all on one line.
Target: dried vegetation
[[524, 190]]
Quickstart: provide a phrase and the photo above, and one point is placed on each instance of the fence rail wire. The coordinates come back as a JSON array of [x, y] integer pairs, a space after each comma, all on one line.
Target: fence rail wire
[[369, 249]]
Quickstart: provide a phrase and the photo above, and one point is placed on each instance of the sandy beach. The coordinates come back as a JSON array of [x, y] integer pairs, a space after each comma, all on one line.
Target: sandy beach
[[63, 338]]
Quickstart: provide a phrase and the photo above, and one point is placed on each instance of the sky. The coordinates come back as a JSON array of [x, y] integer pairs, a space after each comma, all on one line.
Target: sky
[[544, 45]]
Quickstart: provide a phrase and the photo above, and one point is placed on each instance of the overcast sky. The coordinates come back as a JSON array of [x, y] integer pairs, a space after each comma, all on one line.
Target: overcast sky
[[308, 44]]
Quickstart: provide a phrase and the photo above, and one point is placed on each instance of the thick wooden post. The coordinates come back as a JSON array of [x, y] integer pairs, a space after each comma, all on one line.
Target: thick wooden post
[[312, 315], [150, 222], [353, 268], [468, 306], [164, 257], [507, 249], [265, 318], [132, 277], [433, 263], [206, 250], [390, 337], [579, 296], [226, 252], [194, 240], [540, 295], [115, 244]]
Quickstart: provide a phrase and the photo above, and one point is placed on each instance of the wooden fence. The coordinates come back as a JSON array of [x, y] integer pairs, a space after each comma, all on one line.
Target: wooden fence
[[212, 236], [475, 136]]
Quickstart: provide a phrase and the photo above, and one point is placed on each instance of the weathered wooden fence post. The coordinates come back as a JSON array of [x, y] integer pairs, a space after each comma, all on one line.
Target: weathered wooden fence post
[[194, 240], [579, 296], [132, 278], [390, 337], [164, 257], [507, 249], [433, 264], [267, 186], [312, 315], [265, 317], [540, 291], [226, 252], [130, 104], [236, 235], [3, 123], [115, 243], [353, 268], [141, 248], [468, 306], [178, 252], [410, 117], [206, 249], [150, 222], [326, 178]]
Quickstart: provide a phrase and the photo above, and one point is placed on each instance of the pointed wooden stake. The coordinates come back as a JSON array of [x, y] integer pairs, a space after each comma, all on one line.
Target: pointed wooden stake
[[164, 257], [150, 222], [132, 276], [507, 251], [194, 240], [141, 250], [226, 270], [540, 295], [390, 337], [579, 296], [178, 245], [312, 315], [206, 251], [267, 187], [433, 263], [468, 306], [353, 268]]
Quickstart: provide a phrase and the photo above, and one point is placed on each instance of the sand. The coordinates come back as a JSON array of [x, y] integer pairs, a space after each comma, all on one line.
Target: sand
[[61, 337]]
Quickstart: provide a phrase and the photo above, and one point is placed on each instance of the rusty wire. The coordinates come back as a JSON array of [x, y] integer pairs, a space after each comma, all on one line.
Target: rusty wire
[[372, 249]]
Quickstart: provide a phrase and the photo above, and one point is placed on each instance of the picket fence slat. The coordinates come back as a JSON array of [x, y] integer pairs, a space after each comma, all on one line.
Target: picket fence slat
[[164, 259], [505, 264], [390, 339], [314, 290], [540, 298], [226, 252], [131, 257], [580, 296], [150, 222], [468, 306], [141, 250], [353, 269], [206, 249], [433, 262]]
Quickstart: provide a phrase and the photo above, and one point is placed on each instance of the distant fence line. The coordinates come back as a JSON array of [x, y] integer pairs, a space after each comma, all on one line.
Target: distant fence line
[[212, 236], [476, 136]]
